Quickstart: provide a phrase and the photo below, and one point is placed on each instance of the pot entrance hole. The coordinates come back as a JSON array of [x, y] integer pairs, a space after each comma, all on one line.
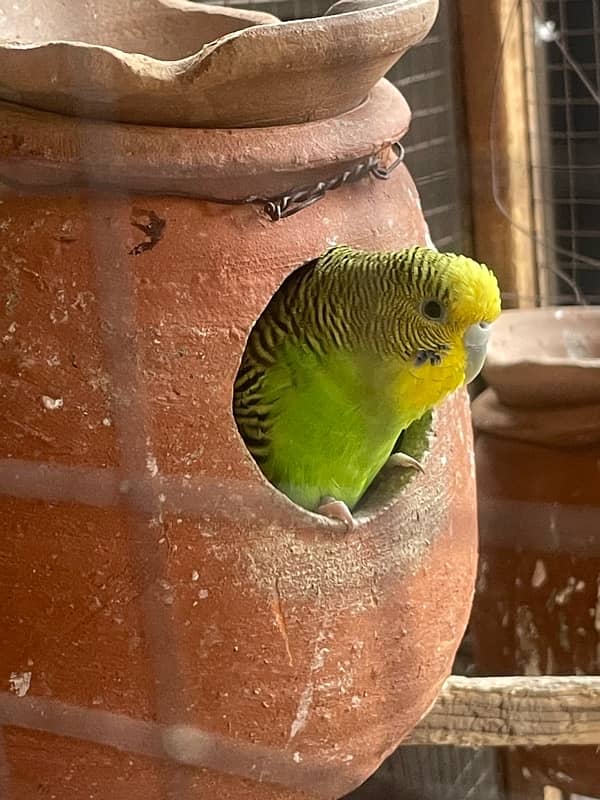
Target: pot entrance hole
[[297, 405]]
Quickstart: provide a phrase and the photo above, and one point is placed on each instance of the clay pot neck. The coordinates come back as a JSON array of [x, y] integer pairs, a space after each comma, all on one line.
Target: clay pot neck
[[38, 149]]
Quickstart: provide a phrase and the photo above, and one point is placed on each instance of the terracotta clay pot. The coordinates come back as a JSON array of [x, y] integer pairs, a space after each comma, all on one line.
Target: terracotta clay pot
[[172, 626], [536, 610], [175, 62]]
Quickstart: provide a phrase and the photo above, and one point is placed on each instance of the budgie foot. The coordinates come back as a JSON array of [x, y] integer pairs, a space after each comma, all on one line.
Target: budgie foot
[[336, 509], [405, 461]]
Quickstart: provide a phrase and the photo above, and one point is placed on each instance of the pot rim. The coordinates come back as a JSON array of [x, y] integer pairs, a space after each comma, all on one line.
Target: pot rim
[[265, 74], [501, 358]]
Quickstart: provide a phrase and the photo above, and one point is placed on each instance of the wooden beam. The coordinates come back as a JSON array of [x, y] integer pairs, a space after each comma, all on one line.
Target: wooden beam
[[493, 58], [502, 712]]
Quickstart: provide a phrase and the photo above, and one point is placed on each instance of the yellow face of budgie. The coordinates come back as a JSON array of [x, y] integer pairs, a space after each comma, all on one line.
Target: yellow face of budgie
[[444, 320]]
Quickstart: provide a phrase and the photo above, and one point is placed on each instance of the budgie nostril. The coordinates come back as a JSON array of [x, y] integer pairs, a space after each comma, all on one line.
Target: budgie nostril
[[476, 339]]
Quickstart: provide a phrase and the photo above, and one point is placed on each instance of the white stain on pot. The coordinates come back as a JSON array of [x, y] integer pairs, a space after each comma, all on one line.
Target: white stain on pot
[[168, 592], [11, 330], [562, 596], [484, 568], [306, 698], [82, 300], [528, 641], [59, 316], [341, 684], [151, 465], [52, 403], [19, 683], [539, 574]]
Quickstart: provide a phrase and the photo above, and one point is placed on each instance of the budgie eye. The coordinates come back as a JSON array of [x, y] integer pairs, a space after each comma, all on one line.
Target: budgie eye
[[433, 309]]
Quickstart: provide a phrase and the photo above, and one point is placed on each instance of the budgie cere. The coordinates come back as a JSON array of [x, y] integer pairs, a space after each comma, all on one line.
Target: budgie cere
[[353, 348]]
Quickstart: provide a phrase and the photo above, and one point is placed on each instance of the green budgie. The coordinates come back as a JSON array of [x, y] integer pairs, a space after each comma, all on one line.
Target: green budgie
[[354, 347]]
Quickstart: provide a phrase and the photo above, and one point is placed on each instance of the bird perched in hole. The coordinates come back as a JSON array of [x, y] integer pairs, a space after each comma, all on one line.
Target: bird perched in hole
[[354, 347]]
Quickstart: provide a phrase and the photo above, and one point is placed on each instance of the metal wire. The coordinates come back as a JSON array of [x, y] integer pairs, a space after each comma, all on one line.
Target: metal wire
[[298, 199]]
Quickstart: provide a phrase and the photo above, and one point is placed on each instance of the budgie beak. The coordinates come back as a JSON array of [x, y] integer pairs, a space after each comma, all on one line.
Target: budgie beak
[[475, 340]]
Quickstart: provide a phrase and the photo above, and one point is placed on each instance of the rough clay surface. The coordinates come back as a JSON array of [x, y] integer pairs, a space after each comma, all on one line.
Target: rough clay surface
[[151, 571]]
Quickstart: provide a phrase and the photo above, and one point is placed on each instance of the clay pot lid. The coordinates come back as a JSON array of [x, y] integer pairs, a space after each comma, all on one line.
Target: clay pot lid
[[200, 66], [545, 356]]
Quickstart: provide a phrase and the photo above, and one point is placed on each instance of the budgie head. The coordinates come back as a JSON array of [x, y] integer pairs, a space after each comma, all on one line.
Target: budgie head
[[452, 303], [428, 307]]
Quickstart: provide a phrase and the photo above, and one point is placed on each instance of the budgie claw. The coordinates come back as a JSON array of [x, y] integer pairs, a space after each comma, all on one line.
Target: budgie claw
[[337, 509], [403, 460]]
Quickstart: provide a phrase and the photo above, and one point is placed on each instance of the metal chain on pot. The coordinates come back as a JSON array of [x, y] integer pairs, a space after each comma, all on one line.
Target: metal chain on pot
[[285, 205], [298, 199]]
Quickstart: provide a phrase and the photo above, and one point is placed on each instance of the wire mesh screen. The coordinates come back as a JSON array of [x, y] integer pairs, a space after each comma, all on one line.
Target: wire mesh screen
[[434, 146], [426, 76], [434, 773], [565, 153]]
